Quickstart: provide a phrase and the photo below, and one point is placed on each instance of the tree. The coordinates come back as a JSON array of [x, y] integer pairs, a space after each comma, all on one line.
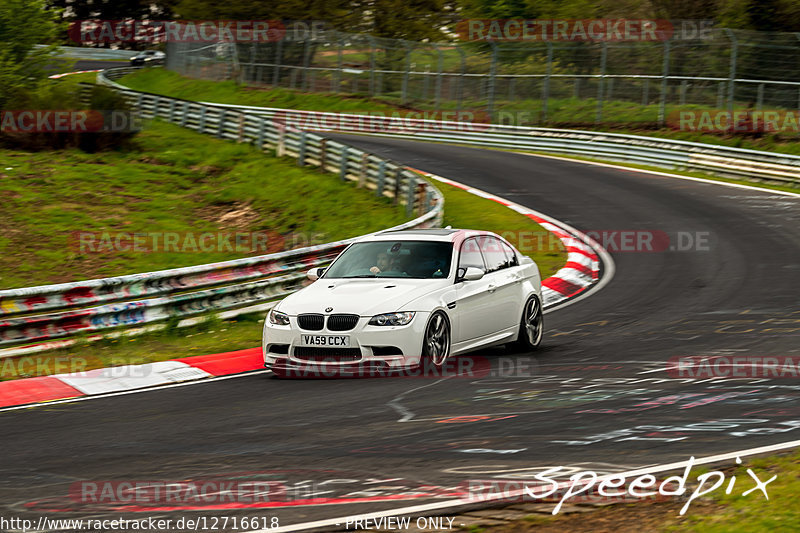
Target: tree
[[23, 24]]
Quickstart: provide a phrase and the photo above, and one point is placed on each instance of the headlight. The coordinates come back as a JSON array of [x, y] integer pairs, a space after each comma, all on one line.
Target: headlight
[[392, 319], [278, 318]]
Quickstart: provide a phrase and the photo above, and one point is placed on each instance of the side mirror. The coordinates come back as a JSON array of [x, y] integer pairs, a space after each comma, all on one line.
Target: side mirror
[[315, 273], [473, 274]]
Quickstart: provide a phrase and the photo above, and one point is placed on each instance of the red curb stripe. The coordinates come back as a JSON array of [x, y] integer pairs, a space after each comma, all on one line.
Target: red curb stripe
[[577, 250], [562, 286], [579, 267], [35, 390], [224, 364]]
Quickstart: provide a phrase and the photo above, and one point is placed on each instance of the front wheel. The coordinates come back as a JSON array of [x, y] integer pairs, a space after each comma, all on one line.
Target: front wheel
[[531, 327], [436, 343]]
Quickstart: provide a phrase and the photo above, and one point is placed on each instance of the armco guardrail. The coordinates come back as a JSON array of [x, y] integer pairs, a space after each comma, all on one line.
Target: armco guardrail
[[138, 299], [682, 155]]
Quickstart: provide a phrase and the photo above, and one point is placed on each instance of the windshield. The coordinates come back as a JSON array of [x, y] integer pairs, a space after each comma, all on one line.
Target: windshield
[[393, 259]]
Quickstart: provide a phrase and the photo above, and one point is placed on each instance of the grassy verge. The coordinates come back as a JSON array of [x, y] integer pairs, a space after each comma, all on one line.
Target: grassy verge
[[714, 513], [462, 210], [170, 180], [622, 116]]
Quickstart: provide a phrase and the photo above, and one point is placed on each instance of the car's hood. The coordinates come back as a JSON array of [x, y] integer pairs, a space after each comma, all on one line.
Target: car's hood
[[360, 296]]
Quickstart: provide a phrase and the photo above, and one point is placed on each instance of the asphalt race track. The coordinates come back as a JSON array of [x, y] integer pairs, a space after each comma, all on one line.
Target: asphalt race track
[[597, 396]]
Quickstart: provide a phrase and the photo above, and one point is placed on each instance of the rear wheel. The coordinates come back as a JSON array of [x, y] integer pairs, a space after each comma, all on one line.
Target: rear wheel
[[436, 343], [531, 327]]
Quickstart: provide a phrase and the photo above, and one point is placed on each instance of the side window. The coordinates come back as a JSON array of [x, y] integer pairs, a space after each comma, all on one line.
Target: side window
[[511, 256], [470, 256], [493, 254]]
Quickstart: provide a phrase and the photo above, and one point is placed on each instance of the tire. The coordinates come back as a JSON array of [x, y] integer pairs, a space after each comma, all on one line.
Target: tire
[[531, 326], [436, 341]]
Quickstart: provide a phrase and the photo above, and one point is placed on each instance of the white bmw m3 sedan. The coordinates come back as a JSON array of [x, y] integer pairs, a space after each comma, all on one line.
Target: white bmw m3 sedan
[[401, 299]]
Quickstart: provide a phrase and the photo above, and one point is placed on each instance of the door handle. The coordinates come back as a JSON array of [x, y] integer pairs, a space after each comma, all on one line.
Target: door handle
[[491, 288]]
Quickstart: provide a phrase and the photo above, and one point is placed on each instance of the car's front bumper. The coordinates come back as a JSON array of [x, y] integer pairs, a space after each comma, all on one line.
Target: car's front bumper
[[372, 348]]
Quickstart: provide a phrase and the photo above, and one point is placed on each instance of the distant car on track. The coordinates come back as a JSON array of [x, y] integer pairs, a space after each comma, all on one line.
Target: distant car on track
[[148, 57], [399, 299]]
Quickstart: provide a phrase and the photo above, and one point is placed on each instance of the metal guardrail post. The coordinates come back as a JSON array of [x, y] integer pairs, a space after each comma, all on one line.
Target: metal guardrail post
[[381, 178], [492, 79], [598, 116], [732, 71], [323, 154], [343, 163], [201, 124], [398, 181], [221, 125], [280, 147], [662, 104], [262, 132], [301, 156], [171, 111], [546, 82], [411, 183], [362, 176], [240, 129], [184, 113]]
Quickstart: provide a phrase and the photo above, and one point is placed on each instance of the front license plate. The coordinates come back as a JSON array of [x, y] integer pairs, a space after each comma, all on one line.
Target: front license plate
[[338, 341]]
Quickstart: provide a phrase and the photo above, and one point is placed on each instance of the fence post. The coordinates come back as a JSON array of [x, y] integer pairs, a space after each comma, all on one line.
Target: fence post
[[760, 97], [406, 73], [546, 84], [172, 110], [301, 156], [732, 72], [339, 61], [598, 117], [662, 104], [306, 62], [439, 69], [277, 67], [463, 71], [490, 89], [371, 65], [381, 178], [184, 113], [343, 163]]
